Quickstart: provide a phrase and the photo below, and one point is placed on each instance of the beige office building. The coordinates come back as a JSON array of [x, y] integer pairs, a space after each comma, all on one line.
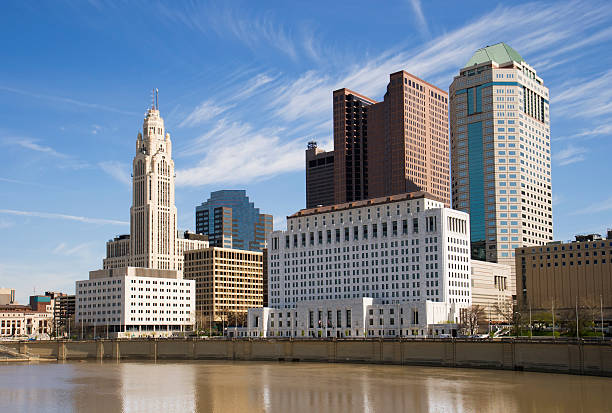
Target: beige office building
[[561, 275], [7, 296], [492, 288], [500, 148], [228, 282]]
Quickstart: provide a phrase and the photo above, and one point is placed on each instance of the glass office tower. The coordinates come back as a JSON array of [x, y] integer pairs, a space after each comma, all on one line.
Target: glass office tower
[[500, 150], [231, 220]]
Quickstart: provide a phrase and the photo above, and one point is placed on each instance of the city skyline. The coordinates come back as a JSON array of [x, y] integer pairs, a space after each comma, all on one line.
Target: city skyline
[[66, 176]]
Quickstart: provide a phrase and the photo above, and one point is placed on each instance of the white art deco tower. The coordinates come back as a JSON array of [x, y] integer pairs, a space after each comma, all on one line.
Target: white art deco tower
[[153, 213], [154, 241]]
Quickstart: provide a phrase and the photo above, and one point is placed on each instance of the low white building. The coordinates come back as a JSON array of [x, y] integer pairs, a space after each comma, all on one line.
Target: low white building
[[354, 317], [132, 302], [34, 320]]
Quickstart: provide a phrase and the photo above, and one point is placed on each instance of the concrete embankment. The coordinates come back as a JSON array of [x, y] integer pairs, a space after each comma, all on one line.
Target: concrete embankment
[[575, 357]]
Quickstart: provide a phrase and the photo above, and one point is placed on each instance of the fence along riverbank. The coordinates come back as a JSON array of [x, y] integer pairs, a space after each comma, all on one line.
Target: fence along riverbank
[[573, 357]]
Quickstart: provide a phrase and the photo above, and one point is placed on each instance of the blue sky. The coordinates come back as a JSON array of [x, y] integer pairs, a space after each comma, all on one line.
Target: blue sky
[[243, 87]]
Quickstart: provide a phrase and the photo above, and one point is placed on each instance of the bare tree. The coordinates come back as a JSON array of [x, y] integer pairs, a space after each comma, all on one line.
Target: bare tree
[[471, 318], [512, 315], [581, 323], [236, 318]]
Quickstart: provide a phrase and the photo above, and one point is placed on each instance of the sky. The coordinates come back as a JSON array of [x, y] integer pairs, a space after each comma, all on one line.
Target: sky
[[243, 86]]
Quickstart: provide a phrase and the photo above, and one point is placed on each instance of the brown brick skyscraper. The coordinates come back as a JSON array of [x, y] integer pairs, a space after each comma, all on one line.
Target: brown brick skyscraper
[[395, 146]]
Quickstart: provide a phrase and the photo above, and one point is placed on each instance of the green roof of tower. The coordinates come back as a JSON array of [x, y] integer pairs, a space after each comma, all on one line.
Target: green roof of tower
[[500, 53]]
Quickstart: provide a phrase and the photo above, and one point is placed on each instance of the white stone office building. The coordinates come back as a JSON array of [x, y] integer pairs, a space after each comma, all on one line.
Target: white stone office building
[[134, 302], [396, 248], [404, 248], [500, 149]]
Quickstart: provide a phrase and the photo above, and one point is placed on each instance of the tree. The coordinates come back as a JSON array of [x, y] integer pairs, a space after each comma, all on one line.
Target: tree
[[587, 314], [512, 315], [471, 318], [204, 322]]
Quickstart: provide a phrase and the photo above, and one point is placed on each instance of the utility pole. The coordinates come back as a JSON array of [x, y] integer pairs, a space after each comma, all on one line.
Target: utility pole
[[530, 324], [553, 317], [601, 313], [577, 331]]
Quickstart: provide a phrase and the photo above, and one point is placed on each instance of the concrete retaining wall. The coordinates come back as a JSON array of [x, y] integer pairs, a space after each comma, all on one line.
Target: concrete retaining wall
[[559, 357]]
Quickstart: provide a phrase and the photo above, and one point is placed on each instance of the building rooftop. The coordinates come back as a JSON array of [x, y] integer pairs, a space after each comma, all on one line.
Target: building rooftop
[[500, 53], [363, 203]]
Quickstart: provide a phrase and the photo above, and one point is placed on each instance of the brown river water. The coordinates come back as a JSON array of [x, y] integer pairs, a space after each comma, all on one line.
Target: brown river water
[[220, 386]]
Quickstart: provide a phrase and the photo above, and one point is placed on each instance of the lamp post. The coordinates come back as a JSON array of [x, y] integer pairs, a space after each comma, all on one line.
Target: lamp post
[[530, 324]]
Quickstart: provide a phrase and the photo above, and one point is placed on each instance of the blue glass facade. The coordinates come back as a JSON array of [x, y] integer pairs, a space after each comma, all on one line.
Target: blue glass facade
[[476, 185], [231, 221]]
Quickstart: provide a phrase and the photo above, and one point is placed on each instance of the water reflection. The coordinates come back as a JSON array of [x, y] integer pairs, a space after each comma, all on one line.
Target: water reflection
[[211, 386], [158, 387]]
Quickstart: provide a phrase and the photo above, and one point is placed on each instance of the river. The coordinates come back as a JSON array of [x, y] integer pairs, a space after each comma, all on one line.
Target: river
[[232, 387]]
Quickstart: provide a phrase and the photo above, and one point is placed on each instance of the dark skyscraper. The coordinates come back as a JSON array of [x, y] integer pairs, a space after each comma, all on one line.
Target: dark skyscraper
[[319, 176]]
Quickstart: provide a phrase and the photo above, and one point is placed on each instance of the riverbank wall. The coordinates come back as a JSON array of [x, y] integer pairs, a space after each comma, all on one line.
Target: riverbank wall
[[575, 357]]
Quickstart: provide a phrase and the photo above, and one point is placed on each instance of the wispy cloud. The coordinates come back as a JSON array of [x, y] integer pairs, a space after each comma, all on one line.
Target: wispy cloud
[[601, 130], [67, 161], [595, 208], [241, 154], [586, 98], [82, 250], [551, 59], [117, 170], [34, 146], [255, 32], [537, 29], [52, 215], [5, 223], [419, 17], [570, 155], [206, 111], [69, 101], [253, 85]]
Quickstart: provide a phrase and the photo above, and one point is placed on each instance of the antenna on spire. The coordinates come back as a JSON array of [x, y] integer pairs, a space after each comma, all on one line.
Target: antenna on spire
[[153, 99], [156, 101]]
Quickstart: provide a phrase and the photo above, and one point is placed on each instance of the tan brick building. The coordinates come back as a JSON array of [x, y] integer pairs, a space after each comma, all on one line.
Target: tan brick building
[[492, 288], [228, 281], [566, 273]]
